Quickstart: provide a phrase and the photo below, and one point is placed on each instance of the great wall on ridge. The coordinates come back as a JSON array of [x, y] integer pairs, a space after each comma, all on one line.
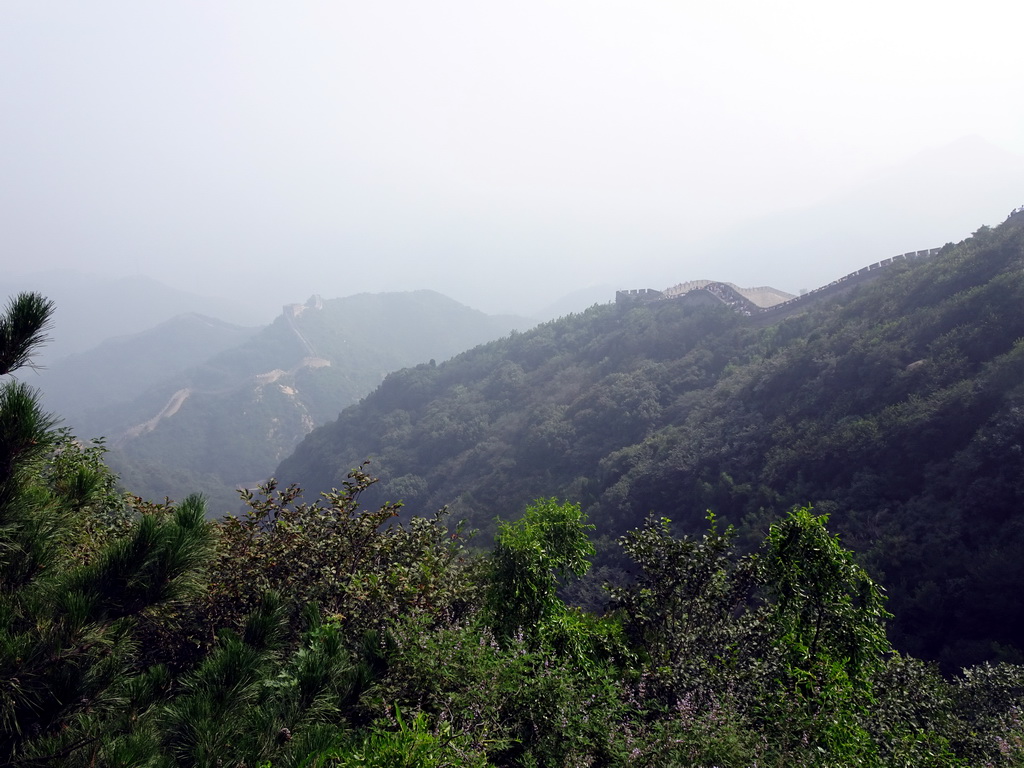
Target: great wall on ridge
[[762, 302]]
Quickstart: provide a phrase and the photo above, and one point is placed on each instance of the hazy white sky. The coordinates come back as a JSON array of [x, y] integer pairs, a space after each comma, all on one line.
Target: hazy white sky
[[472, 147]]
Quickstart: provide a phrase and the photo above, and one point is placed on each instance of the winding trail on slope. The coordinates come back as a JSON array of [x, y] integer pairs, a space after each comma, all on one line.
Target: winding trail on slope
[[311, 360], [169, 410], [290, 313]]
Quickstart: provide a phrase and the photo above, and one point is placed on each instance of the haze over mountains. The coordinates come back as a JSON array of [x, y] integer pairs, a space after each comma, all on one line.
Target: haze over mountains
[[205, 404], [669, 359], [931, 198], [194, 395], [120, 369], [890, 401], [91, 308], [126, 382]]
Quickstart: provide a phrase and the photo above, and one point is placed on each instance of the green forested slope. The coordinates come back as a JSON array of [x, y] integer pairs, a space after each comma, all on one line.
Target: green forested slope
[[898, 409]]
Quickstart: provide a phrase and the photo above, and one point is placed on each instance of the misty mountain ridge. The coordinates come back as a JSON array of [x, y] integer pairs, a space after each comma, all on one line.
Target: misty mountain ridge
[[212, 406], [937, 196], [119, 369], [91, 309]]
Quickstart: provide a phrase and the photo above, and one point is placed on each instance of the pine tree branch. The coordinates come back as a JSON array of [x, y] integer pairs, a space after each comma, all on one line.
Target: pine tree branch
[[23, 328]]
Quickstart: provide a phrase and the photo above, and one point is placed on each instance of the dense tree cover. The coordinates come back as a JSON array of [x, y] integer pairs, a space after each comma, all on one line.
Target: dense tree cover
[[896, 408], [329, 634], [79, 575]]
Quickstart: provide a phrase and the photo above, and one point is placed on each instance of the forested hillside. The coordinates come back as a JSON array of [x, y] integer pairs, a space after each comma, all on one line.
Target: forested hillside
[[897, 408], [229, 417]]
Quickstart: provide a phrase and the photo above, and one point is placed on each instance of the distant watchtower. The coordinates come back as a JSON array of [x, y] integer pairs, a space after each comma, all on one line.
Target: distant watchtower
[[637, 296]]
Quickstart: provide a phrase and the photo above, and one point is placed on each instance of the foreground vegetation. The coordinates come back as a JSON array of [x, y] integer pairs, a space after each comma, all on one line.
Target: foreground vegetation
[[325, 634]]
